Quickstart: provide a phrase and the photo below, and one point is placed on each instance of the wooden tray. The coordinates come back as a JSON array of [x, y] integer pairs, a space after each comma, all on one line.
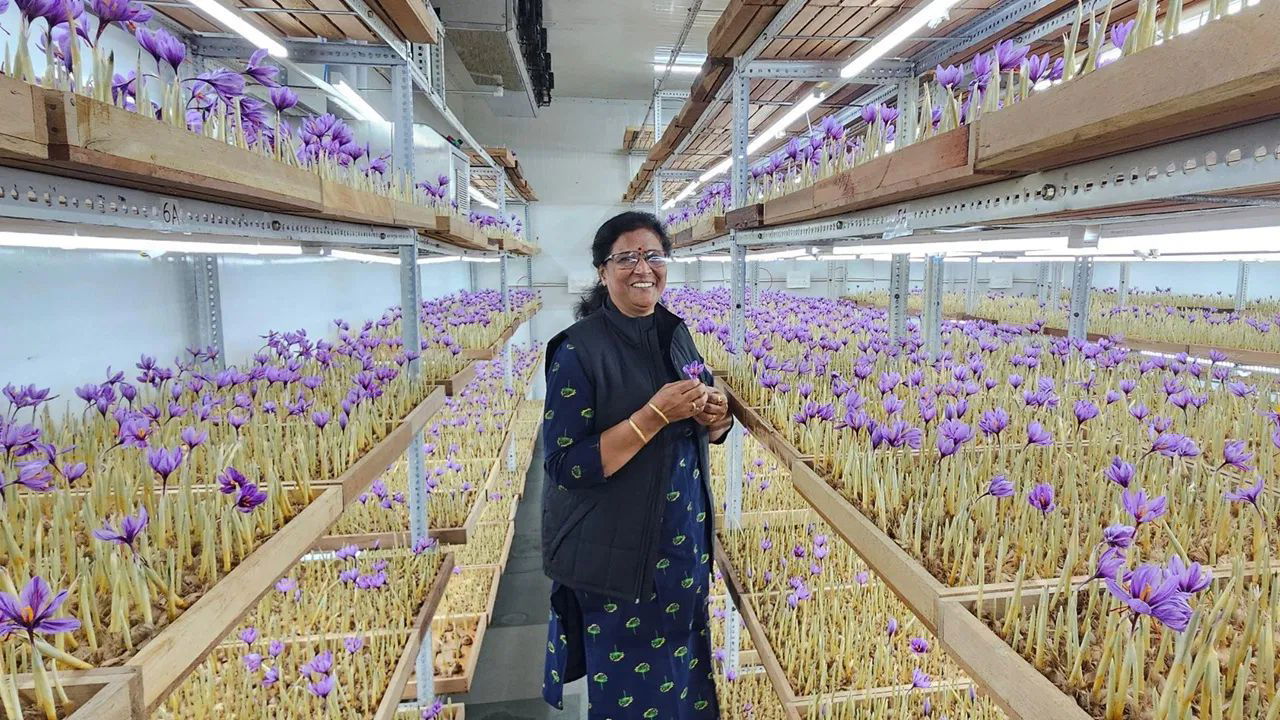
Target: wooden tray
[[24, 133], [708, 227], [339, 201], [761, 429], [454, 383], [457, 231], [98, 694], [938, 164], [745, 217], [404, 669], [1224, 74], [764, 649], [682, 239], [457, 684], [95, 140]]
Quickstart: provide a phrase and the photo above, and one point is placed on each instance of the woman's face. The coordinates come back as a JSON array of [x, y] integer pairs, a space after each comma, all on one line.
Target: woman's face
[[635, 291]]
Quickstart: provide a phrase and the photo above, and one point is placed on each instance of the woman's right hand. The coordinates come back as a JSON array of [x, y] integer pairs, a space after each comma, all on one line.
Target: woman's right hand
[[680, 400]]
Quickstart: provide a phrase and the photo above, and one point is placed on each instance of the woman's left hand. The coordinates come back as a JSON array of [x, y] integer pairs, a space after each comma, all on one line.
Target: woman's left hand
[[715, 409]]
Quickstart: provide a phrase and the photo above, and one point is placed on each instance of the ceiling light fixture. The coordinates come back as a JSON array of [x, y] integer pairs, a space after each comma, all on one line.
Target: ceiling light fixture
[[895, 37], [234, 21], [481, 198], [682, 69], [363, 257], [151, 247], [438, 260], [358, 103]]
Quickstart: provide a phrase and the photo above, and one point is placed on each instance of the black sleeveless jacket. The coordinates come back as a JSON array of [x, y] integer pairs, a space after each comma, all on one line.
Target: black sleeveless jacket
[[604, 538]]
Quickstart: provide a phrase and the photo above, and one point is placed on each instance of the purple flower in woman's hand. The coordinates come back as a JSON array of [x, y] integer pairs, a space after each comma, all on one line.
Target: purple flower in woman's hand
[[131, 527], [31, 611], [1041, 498], [694, 370], [1150, 591], [1142, 508]]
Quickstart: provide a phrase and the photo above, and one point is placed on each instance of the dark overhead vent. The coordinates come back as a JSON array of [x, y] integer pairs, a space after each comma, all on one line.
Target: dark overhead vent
[[533, 45]]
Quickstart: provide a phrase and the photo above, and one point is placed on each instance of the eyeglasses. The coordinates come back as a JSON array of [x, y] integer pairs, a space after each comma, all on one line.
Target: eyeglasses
[[630, 258]]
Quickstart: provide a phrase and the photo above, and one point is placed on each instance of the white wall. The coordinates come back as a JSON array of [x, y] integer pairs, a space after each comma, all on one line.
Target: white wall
[[66, 315]]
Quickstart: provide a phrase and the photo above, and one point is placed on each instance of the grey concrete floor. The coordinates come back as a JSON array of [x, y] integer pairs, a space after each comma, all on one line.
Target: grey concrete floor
[[508, 682]]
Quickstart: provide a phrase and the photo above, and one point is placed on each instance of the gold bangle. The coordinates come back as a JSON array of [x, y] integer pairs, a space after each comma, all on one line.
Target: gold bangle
[[653, 407], [636, 427]]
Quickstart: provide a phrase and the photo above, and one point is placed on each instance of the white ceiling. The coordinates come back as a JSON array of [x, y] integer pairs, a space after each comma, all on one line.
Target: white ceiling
[[604, 48]]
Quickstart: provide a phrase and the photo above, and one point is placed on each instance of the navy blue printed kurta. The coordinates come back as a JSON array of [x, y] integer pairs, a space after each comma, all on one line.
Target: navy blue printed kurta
[[650, 659]]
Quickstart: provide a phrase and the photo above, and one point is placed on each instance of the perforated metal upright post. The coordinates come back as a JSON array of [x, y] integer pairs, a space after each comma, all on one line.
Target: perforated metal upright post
[[971, 288], [899, 286], [1242, 286], [1081, 279], [402, 107], [738, 141], [737, 337], [932, 316], [908, 112], [755, 282], [1122, 295], [656, 189], [418, 499], [505, 289], [1042, 283], [207, 306]]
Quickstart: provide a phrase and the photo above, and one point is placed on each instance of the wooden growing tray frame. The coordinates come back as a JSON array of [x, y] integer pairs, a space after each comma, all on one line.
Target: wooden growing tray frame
[[24, 132], [136, 688], [404, 669], [456, 684]]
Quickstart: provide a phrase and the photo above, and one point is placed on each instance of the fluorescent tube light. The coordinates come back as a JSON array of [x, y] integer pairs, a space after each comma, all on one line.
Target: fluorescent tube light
[[481, 259], [895, 37], [151, 247], [778, 129], [686, 192], [363, 257], [684, 69], [1028, 245], [480, 197], [438, 260], [1261, 239], [234, 21], [358, 103]]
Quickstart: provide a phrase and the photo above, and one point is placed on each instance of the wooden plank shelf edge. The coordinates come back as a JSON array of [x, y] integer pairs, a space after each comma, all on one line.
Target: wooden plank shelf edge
[[404, 668], [113, 693]]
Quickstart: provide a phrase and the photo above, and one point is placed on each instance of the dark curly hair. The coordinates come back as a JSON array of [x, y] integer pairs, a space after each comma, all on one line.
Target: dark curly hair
[[606, 236]]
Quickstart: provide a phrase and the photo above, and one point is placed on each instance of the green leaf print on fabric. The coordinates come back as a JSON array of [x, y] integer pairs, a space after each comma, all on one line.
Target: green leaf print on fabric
[[567, 392], [673, 496], [555, 676], [683, 462], [673, 608], [701, 517], [632, 624], [564, 641], [555, 367], [625, 700], [610, 607], [593, 630], [682, 651], [658, 642], [600, 679], [588, 413], [684, 693], [564, 441], [576, 472], [679, 539], [666, 687], [642, 669], [616, 655], [651, 713], [697, 473], [569, 346], [549, 414], [701, 705], [686, 583], [663, 564]]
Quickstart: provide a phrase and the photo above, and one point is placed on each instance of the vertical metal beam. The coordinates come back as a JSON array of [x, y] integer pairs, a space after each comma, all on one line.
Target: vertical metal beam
[[831, 279], [908, 112], [1081, 279], [1242, 286], [207, 315], [931, 322], [740, 129], [899, 286], [657, 194], [410, 291], [659, 120], [1042, 283], [1055, 285], [971, 289], [500, 182], [755, 282], [1122, 296], [402, 107], [505, 288]]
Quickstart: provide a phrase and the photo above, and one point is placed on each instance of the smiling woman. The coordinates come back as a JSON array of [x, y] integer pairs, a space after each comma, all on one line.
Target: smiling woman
[[627, 512]]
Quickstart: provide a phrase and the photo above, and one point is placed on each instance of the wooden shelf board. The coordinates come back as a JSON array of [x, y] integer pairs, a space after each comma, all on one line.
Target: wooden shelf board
[[404, 668], [113, 693]]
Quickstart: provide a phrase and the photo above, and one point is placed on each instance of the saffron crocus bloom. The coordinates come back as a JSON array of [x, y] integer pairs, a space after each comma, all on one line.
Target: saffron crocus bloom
[[162, 46], [1250, 494], [953, 434], [1119, 536], [1120, 32], [249, 635], [1041, 498], [193, 437], [31, 611], [1110, 562], [250, 498], [891, 628], [320, 418], [1119, 472], [1085, 411], [1149, 591], [270, 677], [223, 83], [919, 645], [282, 98], [253, 662], [131, 526], [264, 74], [275, 648], [1142, 508], [694, 370], [1010, 55], [949, 77], [1191, 578], [322, 687], [1037, 435], [231, 480], [353, 644], [993, 422], [164, 462], [999, 487], [1236, 454], [920, 680]]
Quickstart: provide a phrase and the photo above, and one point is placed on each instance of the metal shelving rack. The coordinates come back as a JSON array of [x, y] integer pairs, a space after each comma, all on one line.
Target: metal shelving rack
[[38, 201]]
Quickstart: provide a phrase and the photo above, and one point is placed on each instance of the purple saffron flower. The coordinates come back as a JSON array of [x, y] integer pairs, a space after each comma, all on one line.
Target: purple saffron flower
[[1110, 562], [1150, 591], [1009, 55], [193, 437], [952, 434], [1250, 494], [1191, 578], [1142, 509], [1118, 536], [253, 662], [162, 46], [219, 83], [250, 498], [322, 687], [949, 77], [694, 370], [891, 628], [993, 422], [164, 462], [275, 648], [919, 680], [919, 645], [131, 526], [282, 98], [1120, 32], [264, 74], [31, 611], [231, 480], [1041, 498], [999, 487], [320, 418], [1037, 435], [249, 635], [1119, 472], [1235, 453], [353, 644], [1085, 411]]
